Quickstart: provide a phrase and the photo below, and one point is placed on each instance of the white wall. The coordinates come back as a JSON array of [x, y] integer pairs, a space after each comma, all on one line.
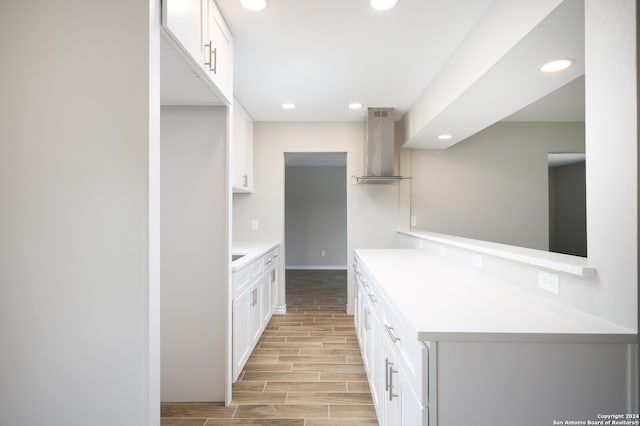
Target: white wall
[[194, 253], [316, 217], [494, 185], [78, 139], [374, 212], [612, 155]]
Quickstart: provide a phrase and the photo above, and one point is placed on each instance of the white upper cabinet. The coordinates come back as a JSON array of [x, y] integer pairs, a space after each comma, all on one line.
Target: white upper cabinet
[[217, 49], [196, 55], [242, 141], [183, 19]]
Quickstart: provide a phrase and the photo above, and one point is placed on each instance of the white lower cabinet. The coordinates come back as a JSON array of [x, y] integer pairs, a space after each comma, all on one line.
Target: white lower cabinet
[[252, 307], [463, 377], [396, 369], [242, 311]]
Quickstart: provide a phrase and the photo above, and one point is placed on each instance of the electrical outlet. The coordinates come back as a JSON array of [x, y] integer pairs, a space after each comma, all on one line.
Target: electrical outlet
[[254, 225], [414, 221], [323, 253], [476, 260], [549, 282]]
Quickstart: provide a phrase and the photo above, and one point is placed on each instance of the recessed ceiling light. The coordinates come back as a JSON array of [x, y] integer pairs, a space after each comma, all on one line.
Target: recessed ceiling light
[[288, 105], [254, 4], [444, 137], [355, 105], [383, 4], [557, 65]]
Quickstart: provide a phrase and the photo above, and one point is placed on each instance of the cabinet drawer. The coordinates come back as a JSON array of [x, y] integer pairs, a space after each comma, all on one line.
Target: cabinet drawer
[[412, 354], [270, 258], [244, 278], [369, 290]]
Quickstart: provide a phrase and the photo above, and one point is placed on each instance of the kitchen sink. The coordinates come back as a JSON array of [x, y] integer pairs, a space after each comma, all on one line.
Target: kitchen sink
[[235, 257]]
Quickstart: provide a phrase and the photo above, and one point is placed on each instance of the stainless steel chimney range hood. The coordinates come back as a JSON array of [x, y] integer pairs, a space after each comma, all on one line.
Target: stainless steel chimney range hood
[[379, 148]]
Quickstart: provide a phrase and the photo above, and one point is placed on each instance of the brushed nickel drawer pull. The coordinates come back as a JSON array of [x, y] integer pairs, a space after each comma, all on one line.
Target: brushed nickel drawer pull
[[392, 333]]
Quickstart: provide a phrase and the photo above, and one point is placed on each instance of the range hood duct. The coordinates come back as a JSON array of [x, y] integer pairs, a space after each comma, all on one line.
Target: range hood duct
[[379, 148]]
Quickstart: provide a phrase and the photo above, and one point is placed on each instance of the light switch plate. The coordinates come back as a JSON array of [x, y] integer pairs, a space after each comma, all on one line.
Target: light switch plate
[[414, 220], [549, 282]]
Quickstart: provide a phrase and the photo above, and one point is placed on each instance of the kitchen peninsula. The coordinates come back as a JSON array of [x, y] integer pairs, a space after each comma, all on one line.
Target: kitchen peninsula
[[446, 344]]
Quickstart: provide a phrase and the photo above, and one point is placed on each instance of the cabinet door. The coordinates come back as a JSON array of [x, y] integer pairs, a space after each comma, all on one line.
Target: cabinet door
[[265, 299], [373, 353], [273, 276], [241, 175], [255, 314], [241, 332], [218, 49], [357, 311], [183, 18], [412, 412], [392, 399]]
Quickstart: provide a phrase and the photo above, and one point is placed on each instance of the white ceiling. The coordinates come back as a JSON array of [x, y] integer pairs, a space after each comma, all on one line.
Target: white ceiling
[[478, 58], [565, 104], [322, 55]]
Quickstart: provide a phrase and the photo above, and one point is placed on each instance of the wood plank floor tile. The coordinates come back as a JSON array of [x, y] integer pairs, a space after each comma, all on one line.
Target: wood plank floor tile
[[305, 371], [268, 367], [249, 386], [276, 351], [256, 422], [248, 397], [325, 351], [281, 411], [341, 422], [352, 411], [182, 422], [307, 386], [195, 409], [324, 367], [331, 376], [332, 359], [304, 376], [358, 387], [328, 398]]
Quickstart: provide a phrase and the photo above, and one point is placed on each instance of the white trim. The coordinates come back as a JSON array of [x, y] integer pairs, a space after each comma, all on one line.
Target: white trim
[[555, 261], [280, 310]]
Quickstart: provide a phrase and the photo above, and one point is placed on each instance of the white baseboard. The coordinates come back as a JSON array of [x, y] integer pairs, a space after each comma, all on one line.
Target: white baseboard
[[317, 267], [280, 310]]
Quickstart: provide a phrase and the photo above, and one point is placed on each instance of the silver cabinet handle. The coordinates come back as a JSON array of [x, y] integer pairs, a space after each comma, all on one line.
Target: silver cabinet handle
[[367, 326], [214, 53], [254, 297], [245, 180], [390, 372], [392, 333], [386, 374]]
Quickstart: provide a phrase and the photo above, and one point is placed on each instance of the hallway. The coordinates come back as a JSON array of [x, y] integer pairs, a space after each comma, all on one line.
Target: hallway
[[306, 369]]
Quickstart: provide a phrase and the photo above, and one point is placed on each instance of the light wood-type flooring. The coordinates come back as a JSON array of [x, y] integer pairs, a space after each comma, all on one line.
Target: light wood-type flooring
[[306, 369]]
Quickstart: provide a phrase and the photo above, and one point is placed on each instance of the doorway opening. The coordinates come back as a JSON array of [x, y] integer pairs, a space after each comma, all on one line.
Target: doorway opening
[[567, 204], [316, 231]]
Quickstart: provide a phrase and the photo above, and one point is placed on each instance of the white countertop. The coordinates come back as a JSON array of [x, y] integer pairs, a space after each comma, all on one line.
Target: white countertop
[[444, 302], [251, 252]]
